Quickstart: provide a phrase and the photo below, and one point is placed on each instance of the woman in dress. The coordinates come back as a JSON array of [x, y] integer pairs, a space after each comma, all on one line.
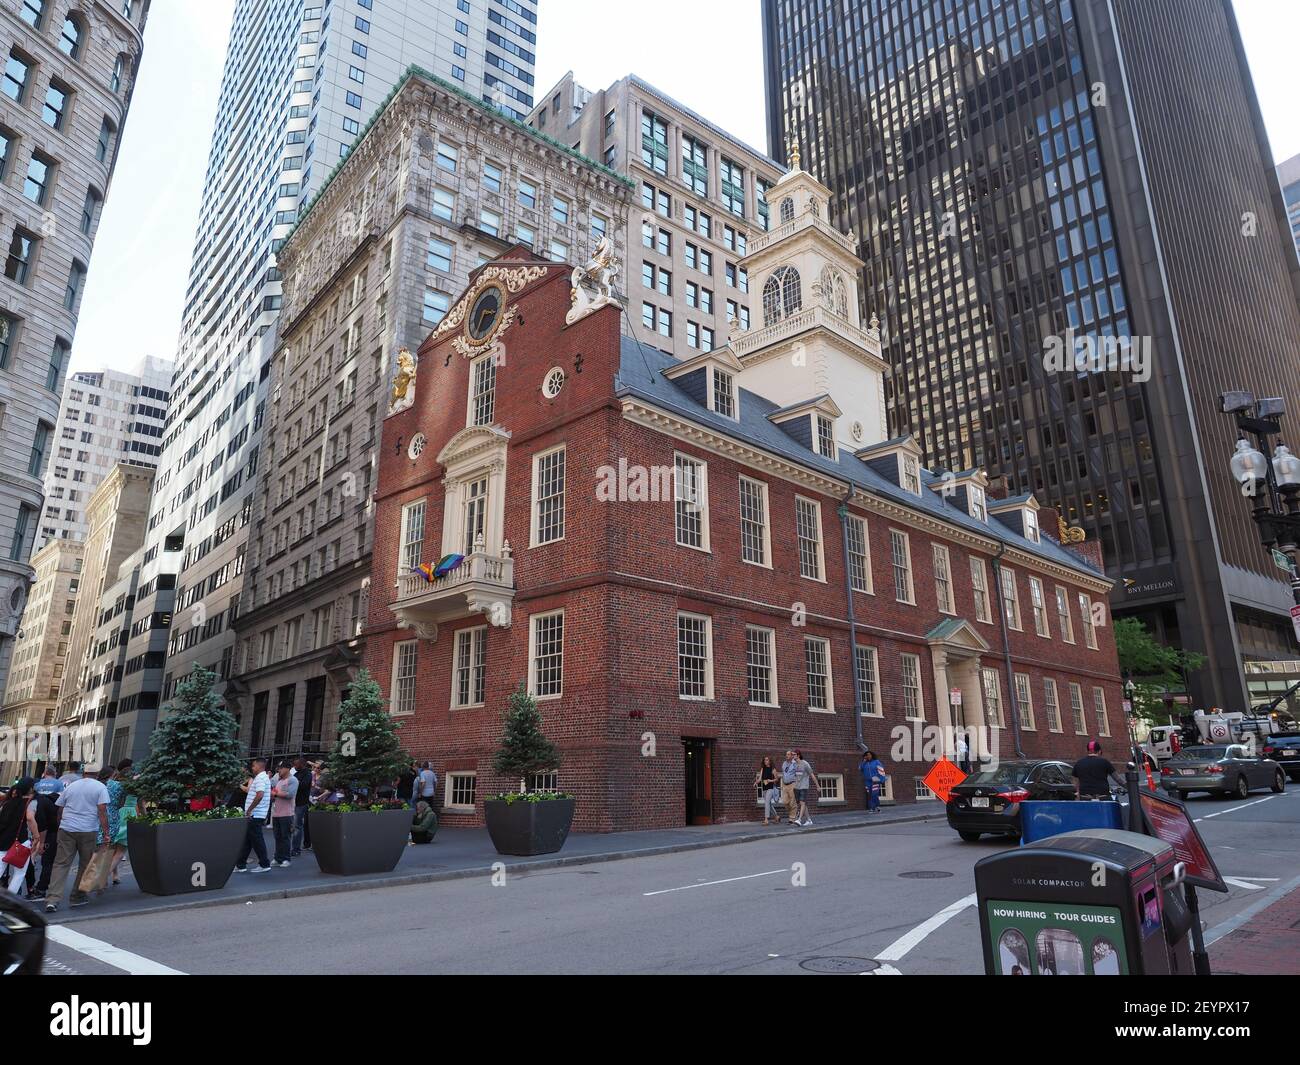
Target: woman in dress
[[18, 826]]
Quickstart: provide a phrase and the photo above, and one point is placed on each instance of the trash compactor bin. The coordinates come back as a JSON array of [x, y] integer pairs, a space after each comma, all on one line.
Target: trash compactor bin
[[1092, 902], [1039, 819]]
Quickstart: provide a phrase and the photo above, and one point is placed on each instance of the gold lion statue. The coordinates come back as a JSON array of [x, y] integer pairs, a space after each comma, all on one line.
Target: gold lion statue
[[405, 376]]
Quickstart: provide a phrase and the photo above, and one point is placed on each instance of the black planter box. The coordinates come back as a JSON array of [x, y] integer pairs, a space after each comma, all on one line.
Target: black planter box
[[346, 844], [163, 857], [525, 828]]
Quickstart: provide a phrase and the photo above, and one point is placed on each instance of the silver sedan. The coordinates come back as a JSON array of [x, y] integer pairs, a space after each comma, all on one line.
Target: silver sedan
[[1229, 769]]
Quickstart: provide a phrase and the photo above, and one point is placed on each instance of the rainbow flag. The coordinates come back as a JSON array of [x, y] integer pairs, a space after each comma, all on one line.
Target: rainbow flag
[[425, 570], [446, 564]]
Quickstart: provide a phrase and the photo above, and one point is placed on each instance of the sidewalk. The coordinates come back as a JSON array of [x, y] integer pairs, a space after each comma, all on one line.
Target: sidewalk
[[467, 852], [1267, 943]]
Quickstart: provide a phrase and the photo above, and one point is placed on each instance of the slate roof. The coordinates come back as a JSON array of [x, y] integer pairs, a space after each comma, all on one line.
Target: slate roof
[[640, 375]]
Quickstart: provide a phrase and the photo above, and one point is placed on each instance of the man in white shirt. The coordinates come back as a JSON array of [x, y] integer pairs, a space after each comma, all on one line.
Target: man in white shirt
[[84, 806], [426, 784], [257, 804]]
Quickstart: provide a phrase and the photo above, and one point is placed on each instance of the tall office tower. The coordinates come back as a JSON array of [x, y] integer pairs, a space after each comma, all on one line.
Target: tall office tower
[[41, 650], [1075, 240], [107, 417], [1288, 175], [702, 193], [299, 84], [69, 70]]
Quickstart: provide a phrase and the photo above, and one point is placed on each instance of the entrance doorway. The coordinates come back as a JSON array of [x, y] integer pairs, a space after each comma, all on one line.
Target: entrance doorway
[[699, 781]]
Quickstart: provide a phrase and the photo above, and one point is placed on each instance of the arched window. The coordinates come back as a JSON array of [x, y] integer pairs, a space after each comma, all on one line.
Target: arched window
[[782, 294], [834, 292], [119, 68], [787, 210], [70, 38]]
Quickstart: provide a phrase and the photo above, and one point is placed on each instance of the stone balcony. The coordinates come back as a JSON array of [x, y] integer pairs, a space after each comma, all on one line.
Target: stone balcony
[[805, 321], [808, 220], [483, 584]]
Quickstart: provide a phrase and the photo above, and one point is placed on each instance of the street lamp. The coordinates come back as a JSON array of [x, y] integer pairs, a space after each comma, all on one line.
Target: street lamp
[[1267, 472]]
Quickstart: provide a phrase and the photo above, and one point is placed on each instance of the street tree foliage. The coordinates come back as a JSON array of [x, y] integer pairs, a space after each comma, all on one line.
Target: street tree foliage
[[194, 750], [1153, 667], [368, 752], [524, 748]]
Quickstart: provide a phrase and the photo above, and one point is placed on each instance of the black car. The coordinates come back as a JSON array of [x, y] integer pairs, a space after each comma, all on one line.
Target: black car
[[988, 802], [22, 938], [1285, 751]]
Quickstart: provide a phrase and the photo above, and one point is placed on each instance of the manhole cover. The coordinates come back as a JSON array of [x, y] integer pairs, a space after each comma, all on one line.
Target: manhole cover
[[839, 966], [925, 874]]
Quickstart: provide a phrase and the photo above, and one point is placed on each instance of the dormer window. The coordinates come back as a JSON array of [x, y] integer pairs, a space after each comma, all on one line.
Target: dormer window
[[825, 436], [1031, 526], [975, 500], [723, 399], [912, 474]]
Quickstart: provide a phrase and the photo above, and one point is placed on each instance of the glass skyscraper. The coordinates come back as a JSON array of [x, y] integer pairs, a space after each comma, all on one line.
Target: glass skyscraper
[[1072, 235]]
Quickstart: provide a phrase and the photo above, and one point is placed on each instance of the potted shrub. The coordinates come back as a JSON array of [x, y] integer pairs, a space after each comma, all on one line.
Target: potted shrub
[[193, 755], [527, 822], [366, 834]]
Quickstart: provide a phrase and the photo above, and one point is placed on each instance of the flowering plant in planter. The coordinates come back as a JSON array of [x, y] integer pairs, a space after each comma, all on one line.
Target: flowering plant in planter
[[155, 816], [527, 822], [377, 806], [524, 749], [531, 796]]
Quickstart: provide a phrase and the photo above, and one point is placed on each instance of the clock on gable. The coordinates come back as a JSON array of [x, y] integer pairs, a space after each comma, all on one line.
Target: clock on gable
[[484, 315]]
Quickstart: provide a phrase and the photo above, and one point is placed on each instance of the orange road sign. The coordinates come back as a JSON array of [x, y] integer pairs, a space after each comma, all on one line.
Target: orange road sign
[[945, 776]]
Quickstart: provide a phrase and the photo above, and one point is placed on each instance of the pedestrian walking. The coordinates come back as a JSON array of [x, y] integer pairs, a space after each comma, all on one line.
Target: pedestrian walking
[[765, 781], [804, 779], [1092, 774], [426, 784], [47, 820], [301, 804], [71, 774], [789, 774], [49, 784], [20, 835], [84, 816], [424, 824], [257, 804], [95, 880], [873, 779], [962, 749], [284, 805]]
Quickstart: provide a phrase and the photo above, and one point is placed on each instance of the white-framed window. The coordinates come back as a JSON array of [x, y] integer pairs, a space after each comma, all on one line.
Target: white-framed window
[[913, 697], [694, 656], [482, 390], [830, 789], [992, 687], [975, 497], [943, 580], [1085, 617], [755, 528], [546, 780], [722, 392], [1010, 598], [462, 790], [412, 545], [691, 501], [1099, 707], [859, 555], [808, 528], [817, 667], [1076, 709], [824, 436], [912, 474], [470, 682], [900, 557], [474, 504], [1025, 702], [979, 582], [546, 655], [1051, 705], [1031, 527], [760, 665], [919, 790], [867, 665], [405, 659], [1038, 601], [1063, 619], [548, 496]]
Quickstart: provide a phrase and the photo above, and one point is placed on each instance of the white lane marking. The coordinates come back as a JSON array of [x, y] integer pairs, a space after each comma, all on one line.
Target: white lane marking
[[884, 970], [1245, 881], [711, 883], [107, 953], [897, 949], [1234, 809]]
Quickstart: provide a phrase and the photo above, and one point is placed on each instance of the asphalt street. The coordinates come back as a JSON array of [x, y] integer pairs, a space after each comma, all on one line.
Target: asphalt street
[[888, 899]]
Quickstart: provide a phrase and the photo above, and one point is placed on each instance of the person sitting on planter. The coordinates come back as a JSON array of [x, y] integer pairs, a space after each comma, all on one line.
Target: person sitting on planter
[[424, 824]]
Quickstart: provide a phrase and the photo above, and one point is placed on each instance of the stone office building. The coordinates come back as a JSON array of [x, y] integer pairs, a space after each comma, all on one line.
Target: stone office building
[[431, 191], [694, 563]]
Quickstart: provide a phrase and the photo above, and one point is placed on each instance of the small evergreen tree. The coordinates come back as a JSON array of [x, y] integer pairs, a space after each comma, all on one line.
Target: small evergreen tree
[[368, 753], [524, 749], [194, 750]]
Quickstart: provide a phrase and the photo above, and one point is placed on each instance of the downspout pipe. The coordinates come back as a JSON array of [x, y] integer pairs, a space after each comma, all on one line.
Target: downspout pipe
[[843, 512], [1006, 652]]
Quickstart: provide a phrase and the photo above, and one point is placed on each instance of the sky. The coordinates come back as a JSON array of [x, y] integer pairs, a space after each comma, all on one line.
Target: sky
[[136, 288]]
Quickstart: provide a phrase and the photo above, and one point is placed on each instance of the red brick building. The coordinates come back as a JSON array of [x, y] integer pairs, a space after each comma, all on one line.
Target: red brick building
[[669, 553]]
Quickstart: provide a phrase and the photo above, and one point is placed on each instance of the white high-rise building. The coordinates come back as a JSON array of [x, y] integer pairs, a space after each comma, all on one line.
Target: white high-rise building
[[301, 82], [107, 417]]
